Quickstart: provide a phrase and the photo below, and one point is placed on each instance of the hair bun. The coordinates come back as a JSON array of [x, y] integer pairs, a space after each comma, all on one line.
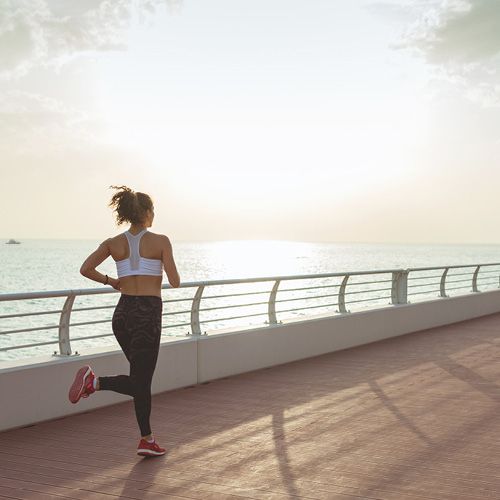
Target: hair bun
[[129, 205]]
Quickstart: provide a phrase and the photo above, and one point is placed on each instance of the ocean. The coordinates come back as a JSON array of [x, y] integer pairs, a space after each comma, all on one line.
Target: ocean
[[41, 265]]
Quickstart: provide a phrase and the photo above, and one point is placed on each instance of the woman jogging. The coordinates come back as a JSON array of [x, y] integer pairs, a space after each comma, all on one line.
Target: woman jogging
[[140, 257]]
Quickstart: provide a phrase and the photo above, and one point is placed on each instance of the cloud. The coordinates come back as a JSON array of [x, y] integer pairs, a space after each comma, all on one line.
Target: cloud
[[30, 122], [458, 32], [49, 32], [461, 40]]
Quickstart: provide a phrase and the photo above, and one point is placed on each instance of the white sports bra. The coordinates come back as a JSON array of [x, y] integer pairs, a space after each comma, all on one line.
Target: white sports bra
[[135, 264]]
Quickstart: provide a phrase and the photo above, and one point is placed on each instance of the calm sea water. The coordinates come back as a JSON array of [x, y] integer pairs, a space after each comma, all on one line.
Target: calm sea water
[[38, 265]]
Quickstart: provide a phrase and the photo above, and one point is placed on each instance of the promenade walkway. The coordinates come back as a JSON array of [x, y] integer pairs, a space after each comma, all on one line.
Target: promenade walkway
[[411, 418]]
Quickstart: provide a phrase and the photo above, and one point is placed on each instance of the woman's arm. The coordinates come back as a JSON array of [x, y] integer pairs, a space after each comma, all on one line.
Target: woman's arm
[[88, 268], [167, 256]]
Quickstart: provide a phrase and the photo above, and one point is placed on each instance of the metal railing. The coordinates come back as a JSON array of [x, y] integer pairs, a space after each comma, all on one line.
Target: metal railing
[[394, 285]]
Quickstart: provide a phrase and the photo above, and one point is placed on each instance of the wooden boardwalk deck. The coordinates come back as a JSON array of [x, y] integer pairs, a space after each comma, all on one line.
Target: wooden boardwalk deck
[[416, 417]]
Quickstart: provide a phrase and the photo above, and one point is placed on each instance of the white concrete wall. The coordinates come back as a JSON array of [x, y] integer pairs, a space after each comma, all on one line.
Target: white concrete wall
[[231, 353], [38, 392]]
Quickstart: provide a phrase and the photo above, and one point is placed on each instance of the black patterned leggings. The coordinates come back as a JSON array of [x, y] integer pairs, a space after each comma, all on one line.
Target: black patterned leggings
[[137, 328]]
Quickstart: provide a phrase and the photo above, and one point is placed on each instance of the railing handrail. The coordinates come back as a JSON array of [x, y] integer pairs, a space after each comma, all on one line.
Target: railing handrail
[[452, 267], [232, 281], [399, 293]]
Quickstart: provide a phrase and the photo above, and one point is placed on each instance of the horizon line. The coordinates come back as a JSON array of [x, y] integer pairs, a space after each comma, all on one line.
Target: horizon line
[[286, 240]]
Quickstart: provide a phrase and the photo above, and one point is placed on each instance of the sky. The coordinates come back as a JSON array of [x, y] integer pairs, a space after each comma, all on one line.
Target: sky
[[311, 120]]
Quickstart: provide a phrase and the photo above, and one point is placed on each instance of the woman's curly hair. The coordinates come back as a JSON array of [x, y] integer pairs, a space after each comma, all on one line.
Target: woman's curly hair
[[129, 205]]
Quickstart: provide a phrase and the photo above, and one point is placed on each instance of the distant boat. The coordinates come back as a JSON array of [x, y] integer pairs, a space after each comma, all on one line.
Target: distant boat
[[12, 242]]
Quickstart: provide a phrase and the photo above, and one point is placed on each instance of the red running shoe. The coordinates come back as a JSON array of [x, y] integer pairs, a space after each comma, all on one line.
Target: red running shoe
[[149, 449], [83, 385]]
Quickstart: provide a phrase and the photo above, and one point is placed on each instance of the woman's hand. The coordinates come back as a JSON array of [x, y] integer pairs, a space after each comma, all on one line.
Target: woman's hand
[[115, 283]]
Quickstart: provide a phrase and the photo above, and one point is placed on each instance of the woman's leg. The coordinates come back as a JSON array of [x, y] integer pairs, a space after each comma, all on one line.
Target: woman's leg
[[141, 376], [119, 383], [144, 346], [137, 328]]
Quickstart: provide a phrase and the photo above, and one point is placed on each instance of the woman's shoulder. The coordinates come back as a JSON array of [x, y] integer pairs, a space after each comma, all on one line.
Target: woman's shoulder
[[162, 240], [158, 236], [112, 242], [115, 238]]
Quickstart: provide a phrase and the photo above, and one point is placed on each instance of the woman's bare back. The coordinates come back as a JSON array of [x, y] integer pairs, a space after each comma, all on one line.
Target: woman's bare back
[[154, 246], [151, 246]]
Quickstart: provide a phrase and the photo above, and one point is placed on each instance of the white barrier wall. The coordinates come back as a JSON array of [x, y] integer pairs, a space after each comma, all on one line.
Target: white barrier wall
[[228, 354], [38, 391]]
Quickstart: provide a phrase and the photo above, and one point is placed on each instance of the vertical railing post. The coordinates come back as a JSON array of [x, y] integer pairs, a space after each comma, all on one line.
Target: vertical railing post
[[399, 291], [64, 341], [271, 309], [195, 311], [341, 301], [474, 279], [442, 286]]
